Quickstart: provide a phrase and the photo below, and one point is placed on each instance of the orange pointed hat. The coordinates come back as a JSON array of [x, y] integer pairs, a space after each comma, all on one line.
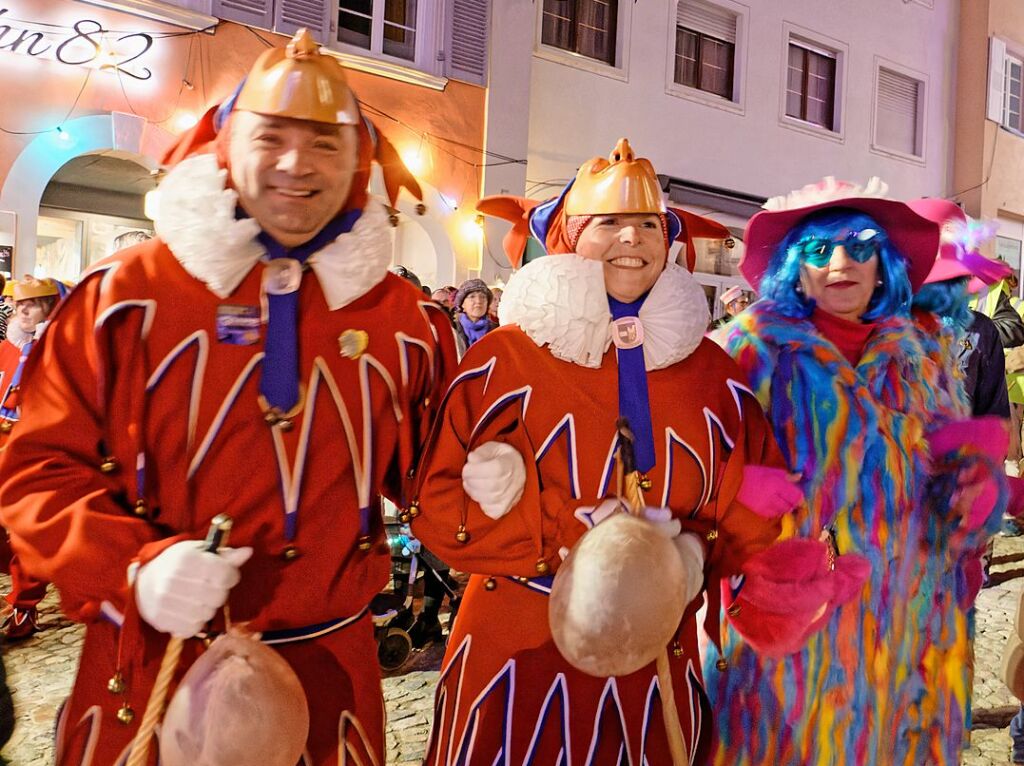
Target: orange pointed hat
[[622, 183]]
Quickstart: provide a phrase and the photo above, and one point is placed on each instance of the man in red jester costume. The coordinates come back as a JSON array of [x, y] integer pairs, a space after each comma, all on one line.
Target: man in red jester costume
[[256, 359], [521, 466]]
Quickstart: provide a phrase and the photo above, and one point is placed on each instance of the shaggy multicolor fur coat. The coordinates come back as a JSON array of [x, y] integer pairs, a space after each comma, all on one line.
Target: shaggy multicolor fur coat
[[887, 680]]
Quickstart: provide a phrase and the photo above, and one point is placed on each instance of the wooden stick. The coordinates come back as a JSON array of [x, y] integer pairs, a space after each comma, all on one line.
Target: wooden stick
[[217, 536], [634, 497]]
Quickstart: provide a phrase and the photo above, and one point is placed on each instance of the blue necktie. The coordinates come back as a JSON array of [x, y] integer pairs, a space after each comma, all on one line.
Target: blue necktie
[[279, 377], [634, 403]]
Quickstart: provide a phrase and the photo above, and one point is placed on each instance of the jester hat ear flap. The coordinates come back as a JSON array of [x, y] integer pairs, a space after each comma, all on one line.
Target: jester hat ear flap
[[689, 226], [517, 211]]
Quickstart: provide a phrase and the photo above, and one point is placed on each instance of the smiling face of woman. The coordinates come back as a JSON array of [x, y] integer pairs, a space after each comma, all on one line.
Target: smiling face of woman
[[843, 285], [631, 247]]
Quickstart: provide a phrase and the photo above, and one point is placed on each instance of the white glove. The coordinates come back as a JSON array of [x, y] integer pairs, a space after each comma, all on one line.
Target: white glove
[[494, 476], [181, 590]]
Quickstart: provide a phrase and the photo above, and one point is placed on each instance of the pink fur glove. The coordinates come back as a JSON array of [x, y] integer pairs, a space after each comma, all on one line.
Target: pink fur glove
[[769, 492], [790, 591]]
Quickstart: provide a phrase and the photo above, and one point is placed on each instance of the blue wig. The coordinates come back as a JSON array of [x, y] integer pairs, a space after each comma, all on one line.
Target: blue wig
[[782, 279], [948, 300]]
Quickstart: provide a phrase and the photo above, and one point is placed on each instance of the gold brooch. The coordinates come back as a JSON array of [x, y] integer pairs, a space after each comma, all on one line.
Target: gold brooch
[[353, 343]]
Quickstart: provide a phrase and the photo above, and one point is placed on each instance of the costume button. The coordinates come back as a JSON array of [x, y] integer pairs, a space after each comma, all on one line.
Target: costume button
[[109, 465], [721, 665], [290, 553]]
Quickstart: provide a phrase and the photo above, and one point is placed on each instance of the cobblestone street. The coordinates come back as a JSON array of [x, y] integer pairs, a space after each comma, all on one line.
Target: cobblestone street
[[41, 670]]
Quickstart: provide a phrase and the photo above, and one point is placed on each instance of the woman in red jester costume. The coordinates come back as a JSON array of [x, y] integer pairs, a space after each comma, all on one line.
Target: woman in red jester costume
[[869, 408], [255, 359], [521, 465]]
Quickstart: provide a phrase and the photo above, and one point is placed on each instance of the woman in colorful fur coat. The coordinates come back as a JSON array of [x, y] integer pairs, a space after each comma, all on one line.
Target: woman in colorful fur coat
[[865, 409], [521, 462]]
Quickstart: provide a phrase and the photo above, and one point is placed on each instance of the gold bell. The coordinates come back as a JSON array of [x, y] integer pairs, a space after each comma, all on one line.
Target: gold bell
[[677, 650], [490, 583], [461, 535], [721, 665], [414, 508], [542, 567], [646, 483], [140, 507], [364, 543], [6, 426], [405, 517], [712, 535], [109, 465], [116, 684], [290, 553], [125, 714], [271, 417]]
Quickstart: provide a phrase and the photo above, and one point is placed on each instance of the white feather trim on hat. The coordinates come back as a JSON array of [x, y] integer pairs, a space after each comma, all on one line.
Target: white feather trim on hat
[[560, 301], [827, 189], [196, 219]]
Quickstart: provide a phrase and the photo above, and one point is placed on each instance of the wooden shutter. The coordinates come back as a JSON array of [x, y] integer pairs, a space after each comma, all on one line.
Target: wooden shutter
[[896, 121], [315, 15], [996, 73], [707, 19], [256, 13], [467, 41]]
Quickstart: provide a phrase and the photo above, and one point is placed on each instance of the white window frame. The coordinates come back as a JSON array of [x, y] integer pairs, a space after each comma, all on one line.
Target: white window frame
[[828, 46], [1008, 60], [198, 19], [923, 89], [429, 41], [620, 71], [739, 65]]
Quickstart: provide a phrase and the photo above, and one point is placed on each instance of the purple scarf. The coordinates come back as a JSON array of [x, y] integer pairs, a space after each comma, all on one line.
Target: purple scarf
[[475, 330]]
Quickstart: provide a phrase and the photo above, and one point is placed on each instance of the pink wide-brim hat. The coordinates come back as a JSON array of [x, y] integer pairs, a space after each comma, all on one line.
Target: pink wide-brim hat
[[914, 236], [954, 260]]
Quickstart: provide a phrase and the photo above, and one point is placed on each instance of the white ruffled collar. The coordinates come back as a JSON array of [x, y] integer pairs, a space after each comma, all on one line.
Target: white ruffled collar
[[196, 219], [560, 301]]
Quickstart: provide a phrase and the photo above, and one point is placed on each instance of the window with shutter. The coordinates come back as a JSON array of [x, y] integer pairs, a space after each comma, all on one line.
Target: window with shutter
[[705, 47], [314, 15], [255, 13], [468, 44], [1012, 92], [897, 112]]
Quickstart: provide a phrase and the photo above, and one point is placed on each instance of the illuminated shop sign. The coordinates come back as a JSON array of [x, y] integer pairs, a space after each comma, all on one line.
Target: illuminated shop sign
[[85, 43]]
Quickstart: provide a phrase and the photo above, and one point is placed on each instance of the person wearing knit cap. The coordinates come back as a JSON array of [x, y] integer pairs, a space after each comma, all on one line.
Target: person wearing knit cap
[[520, 473], [254, 359], [867, 407], [472, 306]]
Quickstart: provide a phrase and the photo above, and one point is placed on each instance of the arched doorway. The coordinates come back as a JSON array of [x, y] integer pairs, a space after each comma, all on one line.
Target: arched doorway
[[93, 206], [116, 135]]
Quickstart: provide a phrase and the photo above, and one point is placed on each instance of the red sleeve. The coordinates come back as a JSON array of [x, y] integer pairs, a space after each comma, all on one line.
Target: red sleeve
[[532, 532], [71, 523]]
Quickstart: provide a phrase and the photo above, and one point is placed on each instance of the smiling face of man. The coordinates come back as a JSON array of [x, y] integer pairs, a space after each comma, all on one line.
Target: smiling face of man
[[631, 246], [292, 176]]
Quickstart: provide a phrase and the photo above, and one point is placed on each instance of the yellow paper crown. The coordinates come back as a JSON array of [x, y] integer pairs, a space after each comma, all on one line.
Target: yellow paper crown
[[620, 184], [30, 287], [299, 82]]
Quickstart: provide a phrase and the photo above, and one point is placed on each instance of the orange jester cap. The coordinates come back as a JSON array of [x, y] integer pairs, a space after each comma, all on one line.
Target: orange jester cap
[[622, 183]]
